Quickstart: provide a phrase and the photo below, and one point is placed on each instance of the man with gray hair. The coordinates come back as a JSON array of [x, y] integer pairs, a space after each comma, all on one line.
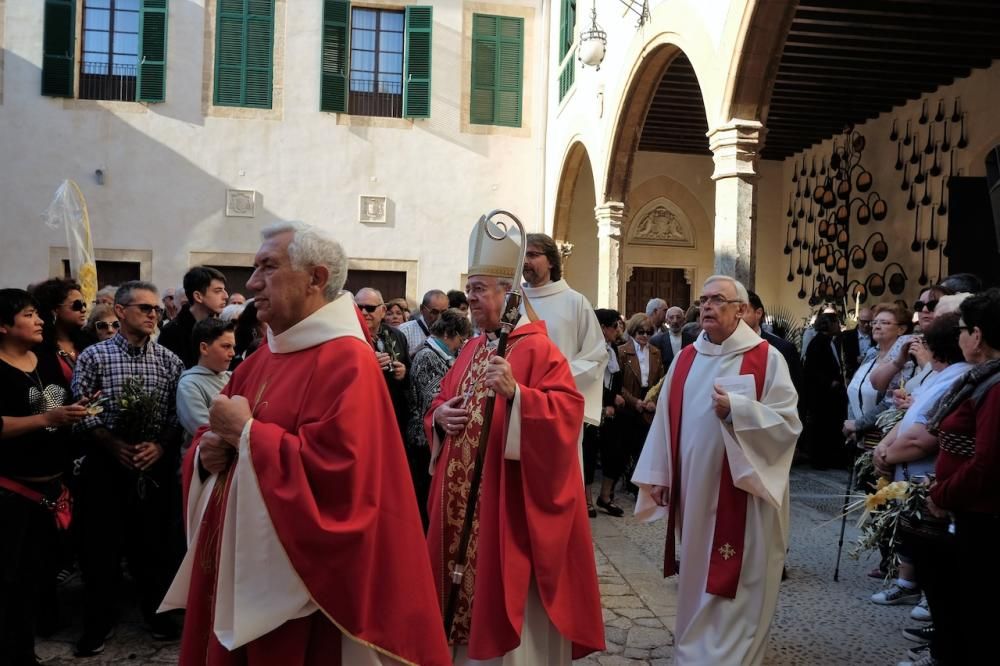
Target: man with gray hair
[[299, 536], [130, 464], [656, 310], [418, 329], [716, 464]]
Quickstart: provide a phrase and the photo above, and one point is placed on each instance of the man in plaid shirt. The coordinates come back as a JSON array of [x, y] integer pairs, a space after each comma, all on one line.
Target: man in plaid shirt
[[126, 478]]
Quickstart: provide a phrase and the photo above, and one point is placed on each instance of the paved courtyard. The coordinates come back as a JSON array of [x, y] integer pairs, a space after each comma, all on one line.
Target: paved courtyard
[[818, 621]]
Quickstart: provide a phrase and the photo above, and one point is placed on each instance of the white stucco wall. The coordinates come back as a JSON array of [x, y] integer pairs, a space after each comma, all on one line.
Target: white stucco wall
[[167, 166]]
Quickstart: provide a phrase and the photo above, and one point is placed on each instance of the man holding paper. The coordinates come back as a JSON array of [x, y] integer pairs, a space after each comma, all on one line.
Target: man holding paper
[[716, 465]]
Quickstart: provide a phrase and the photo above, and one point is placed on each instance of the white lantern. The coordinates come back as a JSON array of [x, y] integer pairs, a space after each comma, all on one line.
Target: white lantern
[[592, 51], [593, 42]]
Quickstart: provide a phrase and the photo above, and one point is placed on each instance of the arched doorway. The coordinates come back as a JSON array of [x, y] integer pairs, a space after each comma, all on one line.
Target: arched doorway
[[575, 227], [660, 167]]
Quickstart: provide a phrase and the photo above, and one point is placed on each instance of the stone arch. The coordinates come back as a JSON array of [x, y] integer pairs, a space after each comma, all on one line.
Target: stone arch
[[574, 220], [756, 54], [650, 64]]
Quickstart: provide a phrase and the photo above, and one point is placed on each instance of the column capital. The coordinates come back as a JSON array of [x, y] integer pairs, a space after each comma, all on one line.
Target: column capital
[[609, 217], [734, 147]]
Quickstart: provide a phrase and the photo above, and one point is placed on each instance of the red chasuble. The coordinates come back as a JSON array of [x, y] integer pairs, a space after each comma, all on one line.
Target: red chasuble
[[531, 516], [333, 475]]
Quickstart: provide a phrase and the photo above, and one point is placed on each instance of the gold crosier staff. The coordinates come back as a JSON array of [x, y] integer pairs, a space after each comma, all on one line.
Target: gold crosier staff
[[508, 319]]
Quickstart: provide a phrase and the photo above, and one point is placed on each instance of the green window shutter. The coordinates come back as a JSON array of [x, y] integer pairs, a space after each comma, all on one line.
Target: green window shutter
[[417, 63], [151, 85], [484, 69], [510, 64], [58, 48], [497, 64], [334, 71], [244, 41], [567, 27]]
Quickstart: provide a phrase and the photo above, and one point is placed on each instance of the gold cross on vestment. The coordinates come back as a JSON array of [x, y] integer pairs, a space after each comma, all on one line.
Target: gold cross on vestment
[[726, 551]]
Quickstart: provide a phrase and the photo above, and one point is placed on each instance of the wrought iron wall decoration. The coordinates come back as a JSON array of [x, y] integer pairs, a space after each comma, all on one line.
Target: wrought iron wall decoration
[[824, 206], [946, 135]]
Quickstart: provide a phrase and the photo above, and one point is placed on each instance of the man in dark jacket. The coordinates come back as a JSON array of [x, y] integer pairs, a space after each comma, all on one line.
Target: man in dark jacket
[[391, 352], [754, 317], [205, 288]]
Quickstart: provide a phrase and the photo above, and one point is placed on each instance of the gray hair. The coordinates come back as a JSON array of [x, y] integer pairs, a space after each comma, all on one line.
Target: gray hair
[[232, 312], [312, 246], [741, 292], [653, 304], [950, 303], [123, 296], [370, 290], [106, 291]]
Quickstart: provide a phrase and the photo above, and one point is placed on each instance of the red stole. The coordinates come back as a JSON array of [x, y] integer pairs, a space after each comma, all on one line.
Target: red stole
[[731, 516]]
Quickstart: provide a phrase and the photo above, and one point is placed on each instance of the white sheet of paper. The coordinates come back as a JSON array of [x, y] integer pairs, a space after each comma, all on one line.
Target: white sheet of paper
[[744, 385]]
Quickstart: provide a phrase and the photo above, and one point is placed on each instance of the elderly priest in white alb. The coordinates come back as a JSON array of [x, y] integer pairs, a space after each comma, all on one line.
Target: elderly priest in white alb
[[716, 465]]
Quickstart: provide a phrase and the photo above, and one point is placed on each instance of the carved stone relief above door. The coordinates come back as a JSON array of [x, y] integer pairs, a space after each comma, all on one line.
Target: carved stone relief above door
[[661, 222]]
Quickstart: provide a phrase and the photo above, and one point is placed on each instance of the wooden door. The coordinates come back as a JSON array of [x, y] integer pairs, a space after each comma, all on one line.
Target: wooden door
[[236, 279], [391, 284], [647, 283]]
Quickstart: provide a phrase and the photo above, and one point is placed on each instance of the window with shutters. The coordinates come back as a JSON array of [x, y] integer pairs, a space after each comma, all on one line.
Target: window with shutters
[[244, 53], [376, 62], [122, 53], [376, 87], [497, 70], [109, 58]]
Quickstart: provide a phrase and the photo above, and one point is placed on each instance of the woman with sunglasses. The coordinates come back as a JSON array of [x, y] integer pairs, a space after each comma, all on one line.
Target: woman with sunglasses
[[64, 313], [642, 367], [911, 347], [102, 323], [34, 452]]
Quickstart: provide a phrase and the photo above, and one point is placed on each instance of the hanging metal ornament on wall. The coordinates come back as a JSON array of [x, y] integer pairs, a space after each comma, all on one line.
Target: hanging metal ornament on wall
[[593, 42]]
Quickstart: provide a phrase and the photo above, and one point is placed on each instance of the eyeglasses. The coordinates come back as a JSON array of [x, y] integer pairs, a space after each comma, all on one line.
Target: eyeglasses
[[433, 311], [146, 308], [78, 306], [717, 300], [369, 308], [644, 331], [964, 327], [864, 321], [106, 325], [930, 305]]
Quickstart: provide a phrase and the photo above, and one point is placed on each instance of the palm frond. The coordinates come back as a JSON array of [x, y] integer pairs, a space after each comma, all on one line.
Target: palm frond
[[786, 324]]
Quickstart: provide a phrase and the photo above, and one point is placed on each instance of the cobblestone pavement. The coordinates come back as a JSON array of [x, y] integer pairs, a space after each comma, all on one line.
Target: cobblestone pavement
[[819, 621]]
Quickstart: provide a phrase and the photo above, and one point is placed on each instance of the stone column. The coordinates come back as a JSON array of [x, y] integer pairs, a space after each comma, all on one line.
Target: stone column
[[734, 148], [609, 226]]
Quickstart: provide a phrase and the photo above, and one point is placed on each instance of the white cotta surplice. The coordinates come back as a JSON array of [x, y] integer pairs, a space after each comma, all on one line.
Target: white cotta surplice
[[573, 327], [760, 443], [258, 589]]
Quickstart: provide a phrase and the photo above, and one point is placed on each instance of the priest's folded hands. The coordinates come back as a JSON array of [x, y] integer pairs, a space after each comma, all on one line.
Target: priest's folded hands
[[228, 416], [214, 454]]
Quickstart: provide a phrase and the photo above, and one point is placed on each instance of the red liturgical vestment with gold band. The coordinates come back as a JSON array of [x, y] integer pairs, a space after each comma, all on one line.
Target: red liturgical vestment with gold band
[[531, 539]]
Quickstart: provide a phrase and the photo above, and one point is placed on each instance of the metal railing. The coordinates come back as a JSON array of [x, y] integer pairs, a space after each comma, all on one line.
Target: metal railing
[[375, 98], [100, 80]]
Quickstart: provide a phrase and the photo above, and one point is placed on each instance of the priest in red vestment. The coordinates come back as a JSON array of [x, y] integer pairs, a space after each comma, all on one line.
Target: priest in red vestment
[[304, 541], [529, 593]]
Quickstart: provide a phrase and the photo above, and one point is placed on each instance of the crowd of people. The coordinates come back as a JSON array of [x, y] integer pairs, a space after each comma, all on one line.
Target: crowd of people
[[120, 416], [914, 387]]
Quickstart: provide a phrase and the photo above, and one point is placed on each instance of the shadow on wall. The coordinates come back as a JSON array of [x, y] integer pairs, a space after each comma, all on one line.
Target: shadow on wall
[[153, 197]]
